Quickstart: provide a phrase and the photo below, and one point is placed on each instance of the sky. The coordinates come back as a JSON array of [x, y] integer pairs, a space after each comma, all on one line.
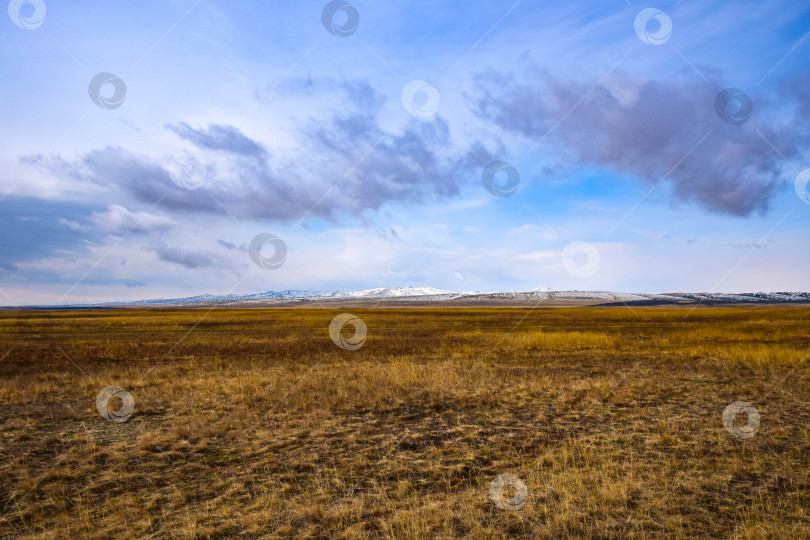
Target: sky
[[164, 149]]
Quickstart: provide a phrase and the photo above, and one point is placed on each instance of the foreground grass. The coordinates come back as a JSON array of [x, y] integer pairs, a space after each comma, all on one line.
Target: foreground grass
[[253, 423]]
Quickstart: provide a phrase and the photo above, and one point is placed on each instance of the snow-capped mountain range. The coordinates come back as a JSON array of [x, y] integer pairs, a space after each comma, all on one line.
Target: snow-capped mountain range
[[295, 294], [429, 294]]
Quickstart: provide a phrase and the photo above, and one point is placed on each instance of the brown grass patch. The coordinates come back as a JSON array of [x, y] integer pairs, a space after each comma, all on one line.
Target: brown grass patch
[[257, 425]]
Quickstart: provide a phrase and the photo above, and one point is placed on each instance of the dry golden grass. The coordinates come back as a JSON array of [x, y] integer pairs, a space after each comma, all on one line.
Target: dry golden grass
[[253, 423]]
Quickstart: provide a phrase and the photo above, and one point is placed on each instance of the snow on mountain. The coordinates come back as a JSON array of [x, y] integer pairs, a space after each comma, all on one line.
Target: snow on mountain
[[292, 294], [430, 294], [399, 291]]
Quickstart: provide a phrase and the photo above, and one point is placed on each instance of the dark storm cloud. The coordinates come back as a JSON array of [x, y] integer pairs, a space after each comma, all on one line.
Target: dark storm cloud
[[649, 130], [346, 163]]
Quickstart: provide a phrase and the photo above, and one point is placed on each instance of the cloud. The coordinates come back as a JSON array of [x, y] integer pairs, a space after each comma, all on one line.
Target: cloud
[[118, 219], [534, 232], [187, 258], [389, 233], [536, 255], [227, 245], [72, 225], [649, 129], [56, 230], [344, 163], [219, 137]]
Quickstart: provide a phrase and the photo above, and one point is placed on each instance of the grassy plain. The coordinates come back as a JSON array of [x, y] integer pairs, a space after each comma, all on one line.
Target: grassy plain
[[253, 423]]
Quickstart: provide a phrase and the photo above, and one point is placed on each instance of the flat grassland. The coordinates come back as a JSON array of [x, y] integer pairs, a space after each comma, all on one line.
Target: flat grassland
[[253, 423]]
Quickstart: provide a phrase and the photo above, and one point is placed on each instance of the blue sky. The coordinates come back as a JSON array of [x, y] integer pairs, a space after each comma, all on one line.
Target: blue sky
[[236, 120]]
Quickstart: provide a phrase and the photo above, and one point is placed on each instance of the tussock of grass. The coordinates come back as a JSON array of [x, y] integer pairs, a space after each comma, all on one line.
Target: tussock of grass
[[257, 425]]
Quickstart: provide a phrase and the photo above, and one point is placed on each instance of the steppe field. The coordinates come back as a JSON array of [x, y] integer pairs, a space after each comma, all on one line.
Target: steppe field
[[444, 423]]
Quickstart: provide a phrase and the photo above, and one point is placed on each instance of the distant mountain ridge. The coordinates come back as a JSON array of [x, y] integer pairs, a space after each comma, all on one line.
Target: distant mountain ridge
[[297, 294], [431, 294]]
